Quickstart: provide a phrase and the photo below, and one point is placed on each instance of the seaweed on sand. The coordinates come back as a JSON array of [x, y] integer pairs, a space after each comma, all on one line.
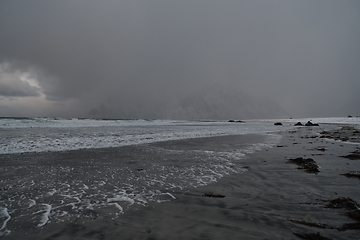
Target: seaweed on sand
[[350, 226], [343, 202], [338, 203], [308, 164], [354, 213], [311, 224], [353, 174], [211, 195], [346, 133], [353, 156], [311, 236]]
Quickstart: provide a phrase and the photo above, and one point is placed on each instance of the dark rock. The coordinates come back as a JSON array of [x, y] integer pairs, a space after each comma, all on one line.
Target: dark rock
[[298, 124], [278, 124], [309, 123]]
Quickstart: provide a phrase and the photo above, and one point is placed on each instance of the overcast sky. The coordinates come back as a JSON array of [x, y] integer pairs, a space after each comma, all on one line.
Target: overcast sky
[[66, 58]]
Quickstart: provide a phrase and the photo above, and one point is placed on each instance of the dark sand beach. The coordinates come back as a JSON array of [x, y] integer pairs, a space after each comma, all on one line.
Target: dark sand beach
[[275, 198]]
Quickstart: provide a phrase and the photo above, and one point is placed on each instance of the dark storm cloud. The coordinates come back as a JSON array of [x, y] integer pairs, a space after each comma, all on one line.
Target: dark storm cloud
[[144, 57]]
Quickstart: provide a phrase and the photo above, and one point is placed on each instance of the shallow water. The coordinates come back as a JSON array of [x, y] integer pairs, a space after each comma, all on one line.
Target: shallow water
[[84, 185]]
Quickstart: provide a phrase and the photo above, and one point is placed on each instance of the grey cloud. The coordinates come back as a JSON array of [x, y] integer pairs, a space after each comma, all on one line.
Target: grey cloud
[[145, 58], [18, 89], [11, 84]]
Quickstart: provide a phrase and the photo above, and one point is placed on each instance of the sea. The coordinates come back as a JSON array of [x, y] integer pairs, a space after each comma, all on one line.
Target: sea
[[56, 170]]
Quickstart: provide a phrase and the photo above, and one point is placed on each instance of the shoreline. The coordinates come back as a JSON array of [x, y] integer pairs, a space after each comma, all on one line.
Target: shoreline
[[273, 199]]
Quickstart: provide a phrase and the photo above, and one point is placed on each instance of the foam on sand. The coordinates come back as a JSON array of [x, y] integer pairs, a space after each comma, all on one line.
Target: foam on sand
[[45, 216], [4, 214]]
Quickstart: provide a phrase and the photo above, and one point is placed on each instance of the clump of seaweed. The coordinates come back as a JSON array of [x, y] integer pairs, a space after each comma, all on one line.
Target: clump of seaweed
[[211, 195], [353, 156], [354, 213], [342, 134], [308, 164], [350, 226], [311, 224], [353, 174], [311, 236], [343, 202]]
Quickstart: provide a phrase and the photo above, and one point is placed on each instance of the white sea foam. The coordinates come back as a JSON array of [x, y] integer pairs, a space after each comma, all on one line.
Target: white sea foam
[[41, 135], [167, 193], [32, 203], [45, 216], [4, 214], [118, 207], [120, 198]]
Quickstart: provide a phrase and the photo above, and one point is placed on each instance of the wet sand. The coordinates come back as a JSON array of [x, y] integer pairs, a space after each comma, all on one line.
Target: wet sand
[[273, 199]]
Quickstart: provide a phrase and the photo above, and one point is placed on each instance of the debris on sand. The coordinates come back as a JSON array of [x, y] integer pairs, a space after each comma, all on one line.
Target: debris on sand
[[350, 226], [237, 121], [338, 203], [211, 195], [354, 213], [343, 202], [346, 133], [311, 224], [353, 174], [353, 156], [311, 236], [308, 164]]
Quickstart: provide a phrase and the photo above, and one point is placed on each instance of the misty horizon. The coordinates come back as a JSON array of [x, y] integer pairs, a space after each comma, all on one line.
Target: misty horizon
[[179, 60]]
